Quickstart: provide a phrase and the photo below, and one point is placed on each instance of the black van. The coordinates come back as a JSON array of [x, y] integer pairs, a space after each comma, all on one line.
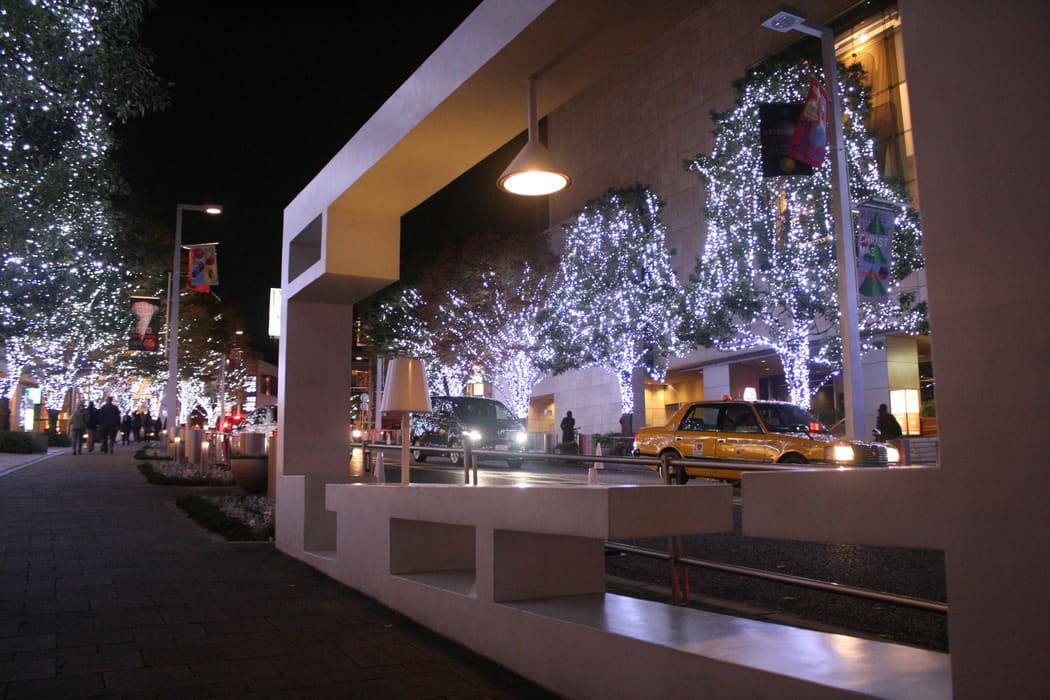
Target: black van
[[457, 421]]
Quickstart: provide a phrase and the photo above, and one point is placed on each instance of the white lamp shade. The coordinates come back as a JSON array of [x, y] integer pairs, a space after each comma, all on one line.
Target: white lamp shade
[[534, 172], [406, 388]]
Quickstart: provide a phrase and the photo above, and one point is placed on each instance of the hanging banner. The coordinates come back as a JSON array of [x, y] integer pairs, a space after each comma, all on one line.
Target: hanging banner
[[809, 142], [203, 268], [875, 254], [777, 122], [144, 334]]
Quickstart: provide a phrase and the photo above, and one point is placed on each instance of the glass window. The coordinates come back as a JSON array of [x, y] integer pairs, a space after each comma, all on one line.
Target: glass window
[[875, 43], [740, 419], [700, 418]]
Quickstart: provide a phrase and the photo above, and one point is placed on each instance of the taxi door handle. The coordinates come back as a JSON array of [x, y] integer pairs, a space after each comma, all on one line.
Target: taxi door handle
[[720, 440], [678, 438]]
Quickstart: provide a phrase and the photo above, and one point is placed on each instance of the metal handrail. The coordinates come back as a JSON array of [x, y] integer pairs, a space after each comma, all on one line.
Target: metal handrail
[[801, 581]]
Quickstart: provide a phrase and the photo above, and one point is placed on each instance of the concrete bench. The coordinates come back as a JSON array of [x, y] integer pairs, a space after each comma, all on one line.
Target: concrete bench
[[517, 574]]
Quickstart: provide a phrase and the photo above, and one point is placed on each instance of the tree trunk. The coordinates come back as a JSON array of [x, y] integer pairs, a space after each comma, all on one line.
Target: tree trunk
[[796, 372], [626, 391]]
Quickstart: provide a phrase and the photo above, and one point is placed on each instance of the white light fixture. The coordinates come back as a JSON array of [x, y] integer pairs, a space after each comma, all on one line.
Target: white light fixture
[[405, 392], [533, 172], [787, 19]]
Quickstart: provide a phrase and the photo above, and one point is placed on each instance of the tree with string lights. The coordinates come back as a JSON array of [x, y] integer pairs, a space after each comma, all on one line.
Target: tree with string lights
[[614, 299], [67, 72], [393, 324], [498, 330], [768, 275]]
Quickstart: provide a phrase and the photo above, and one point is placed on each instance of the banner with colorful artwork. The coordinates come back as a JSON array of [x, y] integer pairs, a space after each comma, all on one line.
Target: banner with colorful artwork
[[875, 226], [144, 333], [809, 142], [203, 268]]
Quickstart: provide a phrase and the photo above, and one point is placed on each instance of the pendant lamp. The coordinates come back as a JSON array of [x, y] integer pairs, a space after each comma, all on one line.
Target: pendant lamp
[[533, 172]]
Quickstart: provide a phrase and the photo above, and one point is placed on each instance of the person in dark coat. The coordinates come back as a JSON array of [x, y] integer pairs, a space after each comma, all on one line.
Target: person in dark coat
[[125, 429], [108, 424], [92, 425], [887, 425], [568, 428], [136, 426]]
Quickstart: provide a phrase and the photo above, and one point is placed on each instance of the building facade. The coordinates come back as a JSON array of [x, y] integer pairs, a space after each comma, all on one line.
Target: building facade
[[649, 115]]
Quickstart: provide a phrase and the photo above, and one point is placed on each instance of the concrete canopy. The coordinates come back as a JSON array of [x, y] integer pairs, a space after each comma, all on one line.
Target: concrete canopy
[[465, 102]]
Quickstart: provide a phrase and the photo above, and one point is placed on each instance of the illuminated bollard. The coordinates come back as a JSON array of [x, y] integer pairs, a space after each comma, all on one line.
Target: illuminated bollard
[[205, 454]]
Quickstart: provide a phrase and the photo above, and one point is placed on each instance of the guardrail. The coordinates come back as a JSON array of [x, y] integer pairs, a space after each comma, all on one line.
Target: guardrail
[[471, 456]]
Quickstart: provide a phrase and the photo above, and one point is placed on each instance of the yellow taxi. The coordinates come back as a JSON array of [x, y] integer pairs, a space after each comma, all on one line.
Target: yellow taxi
[[750, 431]]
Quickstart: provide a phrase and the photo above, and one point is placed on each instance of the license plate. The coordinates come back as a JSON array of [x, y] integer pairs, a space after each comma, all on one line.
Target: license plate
[[501, 448]]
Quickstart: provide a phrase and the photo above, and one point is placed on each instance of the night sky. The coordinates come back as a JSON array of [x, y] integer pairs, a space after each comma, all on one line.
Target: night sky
[[263, 95]]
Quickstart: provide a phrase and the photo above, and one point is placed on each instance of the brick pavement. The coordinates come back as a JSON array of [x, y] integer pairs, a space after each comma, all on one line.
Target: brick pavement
[[108, 590]]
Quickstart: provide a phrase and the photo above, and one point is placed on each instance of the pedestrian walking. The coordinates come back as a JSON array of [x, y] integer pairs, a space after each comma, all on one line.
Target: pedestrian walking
[[77, 426], [136, 427], [125, 429], [92, 425], [108, 424]]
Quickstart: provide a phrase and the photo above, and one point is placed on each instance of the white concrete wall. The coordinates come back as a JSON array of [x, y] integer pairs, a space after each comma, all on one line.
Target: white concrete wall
[[592, 394]]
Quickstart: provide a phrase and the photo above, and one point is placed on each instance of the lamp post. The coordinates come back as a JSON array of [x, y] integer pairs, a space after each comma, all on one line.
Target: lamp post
[[785, 20], [171, 399]]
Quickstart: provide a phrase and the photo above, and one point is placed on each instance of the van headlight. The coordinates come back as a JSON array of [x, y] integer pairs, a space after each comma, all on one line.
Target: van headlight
[[839, 453], [521, 437], [474, 435], [893, 455]]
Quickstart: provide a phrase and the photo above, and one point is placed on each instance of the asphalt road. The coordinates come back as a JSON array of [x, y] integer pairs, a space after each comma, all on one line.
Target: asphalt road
[[916, 573]]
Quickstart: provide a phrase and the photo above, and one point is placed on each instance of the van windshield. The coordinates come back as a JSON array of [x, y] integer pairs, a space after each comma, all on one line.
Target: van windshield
[[468, 410]]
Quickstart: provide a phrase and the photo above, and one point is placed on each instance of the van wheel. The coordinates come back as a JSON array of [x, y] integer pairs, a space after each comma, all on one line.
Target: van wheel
[[456, 457], [515, 463], [793, 459], [671, 474], [418, 455]]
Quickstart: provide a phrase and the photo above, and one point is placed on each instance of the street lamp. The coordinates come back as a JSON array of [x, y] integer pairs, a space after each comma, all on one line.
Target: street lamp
[[171, 398], [785, 20]]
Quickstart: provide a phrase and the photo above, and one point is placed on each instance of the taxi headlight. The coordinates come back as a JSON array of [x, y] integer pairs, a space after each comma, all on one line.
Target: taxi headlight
[[474, 435], [520, 437], [892, 454], [839, 453]]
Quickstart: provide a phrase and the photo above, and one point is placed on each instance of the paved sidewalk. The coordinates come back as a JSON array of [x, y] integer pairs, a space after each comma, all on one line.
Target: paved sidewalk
[[108, 590]]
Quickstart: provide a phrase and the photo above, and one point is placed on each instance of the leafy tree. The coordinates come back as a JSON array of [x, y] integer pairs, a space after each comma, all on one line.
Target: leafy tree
[[392, 324], [499, 331], [768, 275], [67, 71], [614, 298]]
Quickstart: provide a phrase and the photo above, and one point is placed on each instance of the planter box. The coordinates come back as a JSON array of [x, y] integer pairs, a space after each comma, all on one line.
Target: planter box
[[250, 473]]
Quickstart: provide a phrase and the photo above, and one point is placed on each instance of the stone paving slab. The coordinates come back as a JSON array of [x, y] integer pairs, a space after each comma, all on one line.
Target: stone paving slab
[[107, 590]]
